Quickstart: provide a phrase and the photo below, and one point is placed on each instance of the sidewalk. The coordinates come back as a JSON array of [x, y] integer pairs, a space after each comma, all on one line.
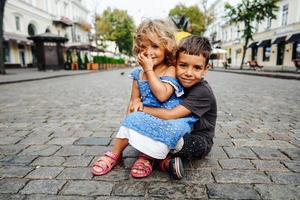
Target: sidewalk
[[31, 74], [272, 74]]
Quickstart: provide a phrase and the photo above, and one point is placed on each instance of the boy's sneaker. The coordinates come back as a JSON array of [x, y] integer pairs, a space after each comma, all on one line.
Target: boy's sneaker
[[172, 165]]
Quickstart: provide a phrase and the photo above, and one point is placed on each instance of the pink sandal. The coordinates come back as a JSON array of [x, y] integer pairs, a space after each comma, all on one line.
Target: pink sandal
[[98, 169], [142, 167]]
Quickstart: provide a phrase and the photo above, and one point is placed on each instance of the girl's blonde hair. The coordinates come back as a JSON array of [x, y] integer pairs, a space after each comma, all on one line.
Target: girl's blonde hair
[[160, 32]]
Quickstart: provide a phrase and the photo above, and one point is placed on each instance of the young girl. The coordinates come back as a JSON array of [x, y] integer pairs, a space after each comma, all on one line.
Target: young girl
[[153, 85]]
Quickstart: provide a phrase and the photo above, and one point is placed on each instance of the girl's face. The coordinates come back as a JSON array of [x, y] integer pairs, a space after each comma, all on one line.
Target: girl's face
[[154, 51]]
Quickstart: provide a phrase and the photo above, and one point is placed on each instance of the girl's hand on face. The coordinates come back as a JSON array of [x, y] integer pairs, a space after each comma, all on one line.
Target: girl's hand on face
[[145, 61]]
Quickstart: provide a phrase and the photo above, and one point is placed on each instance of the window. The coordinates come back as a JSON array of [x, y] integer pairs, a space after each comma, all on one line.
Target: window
[[18, 25], [269, 23], [267, 53], [285, 10], [6, 52], [31, 30], [296, 50]]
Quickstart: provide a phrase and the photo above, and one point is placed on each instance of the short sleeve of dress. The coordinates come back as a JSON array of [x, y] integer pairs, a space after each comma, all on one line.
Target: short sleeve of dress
[[174, 82], [135, 73]]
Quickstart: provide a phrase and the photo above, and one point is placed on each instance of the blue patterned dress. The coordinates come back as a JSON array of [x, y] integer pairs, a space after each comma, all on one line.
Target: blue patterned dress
[[165, 131]]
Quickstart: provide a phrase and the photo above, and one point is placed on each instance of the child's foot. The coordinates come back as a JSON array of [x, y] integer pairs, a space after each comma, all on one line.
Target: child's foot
[[105, 163], [173, 166], [142, 167]]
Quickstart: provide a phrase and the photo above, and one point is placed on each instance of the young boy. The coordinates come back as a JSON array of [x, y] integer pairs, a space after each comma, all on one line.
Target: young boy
[[191, 67]]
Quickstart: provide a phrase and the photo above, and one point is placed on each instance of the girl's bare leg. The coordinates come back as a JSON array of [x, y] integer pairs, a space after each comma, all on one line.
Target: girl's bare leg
[[119, 145]]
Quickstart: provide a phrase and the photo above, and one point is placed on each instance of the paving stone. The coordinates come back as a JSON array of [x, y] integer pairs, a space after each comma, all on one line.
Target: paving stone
[[45, 173], [223, 142], [41, 150], [96, 150], [49, 161], [198, 176], [121, 198], [202, 164], [280, 192], [231, 191], [293, 165], [129, 188], [294, 154], [242, 152], [63, 140], [217, 152], [11, 149], [12, 197], [76, 173], [43, 187], [275, 144], [14, 171], [92, 141], [269, 154], [116, 174], [35, 140], [128, 162], [17, 160], [236, 164], [71, 150], [285, 177], [56, 197], [268, 165], [11, 185], [130, 152], [167, 190], [9, 140], [195, 191], [78, 161], [240, 176], [87, 188]]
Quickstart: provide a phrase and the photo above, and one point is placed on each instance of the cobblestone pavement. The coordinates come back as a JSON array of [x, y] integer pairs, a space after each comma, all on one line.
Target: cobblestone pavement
[[52, 130]]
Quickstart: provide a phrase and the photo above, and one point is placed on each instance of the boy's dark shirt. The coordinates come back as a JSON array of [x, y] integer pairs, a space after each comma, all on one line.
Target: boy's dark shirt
[[200, 100]]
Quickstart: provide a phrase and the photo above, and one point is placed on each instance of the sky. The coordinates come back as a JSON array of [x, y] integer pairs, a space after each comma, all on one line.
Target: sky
[[140, 9]]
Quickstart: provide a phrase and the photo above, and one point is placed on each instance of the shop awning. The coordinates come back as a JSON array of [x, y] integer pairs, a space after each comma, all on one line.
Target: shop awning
[[265, 43], [294, 38], [48, 37], [253, 45], [82, 46], [65, 21], [279, 40], [20, 39]]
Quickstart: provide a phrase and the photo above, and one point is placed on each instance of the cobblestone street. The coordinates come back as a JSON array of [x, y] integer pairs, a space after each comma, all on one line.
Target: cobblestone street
[[52, 130]]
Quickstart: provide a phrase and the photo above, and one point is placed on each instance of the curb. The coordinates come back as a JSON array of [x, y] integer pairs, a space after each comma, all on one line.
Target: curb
[[46, 77], [266, 74]]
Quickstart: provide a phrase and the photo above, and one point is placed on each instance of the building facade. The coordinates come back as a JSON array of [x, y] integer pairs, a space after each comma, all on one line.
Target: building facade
[[24, 18], [275, 45]]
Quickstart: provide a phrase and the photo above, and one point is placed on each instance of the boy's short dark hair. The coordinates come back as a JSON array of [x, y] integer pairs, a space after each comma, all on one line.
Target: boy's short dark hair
[[195, 45]]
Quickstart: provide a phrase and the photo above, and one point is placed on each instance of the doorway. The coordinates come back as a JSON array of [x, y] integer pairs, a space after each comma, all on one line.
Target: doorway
[[280, 53]]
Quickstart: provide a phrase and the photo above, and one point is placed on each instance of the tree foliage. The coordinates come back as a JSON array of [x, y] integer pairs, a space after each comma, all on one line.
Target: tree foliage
[[195, 16], [116, 25], [249, 11], [2, 6]]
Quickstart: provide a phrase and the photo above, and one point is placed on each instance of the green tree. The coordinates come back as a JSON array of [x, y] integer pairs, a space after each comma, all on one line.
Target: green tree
[[2, 6], [195, 16], [116, 25], [247, 12]]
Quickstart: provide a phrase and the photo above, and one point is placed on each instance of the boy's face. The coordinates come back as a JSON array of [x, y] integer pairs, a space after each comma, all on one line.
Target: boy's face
[[190, 69]]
